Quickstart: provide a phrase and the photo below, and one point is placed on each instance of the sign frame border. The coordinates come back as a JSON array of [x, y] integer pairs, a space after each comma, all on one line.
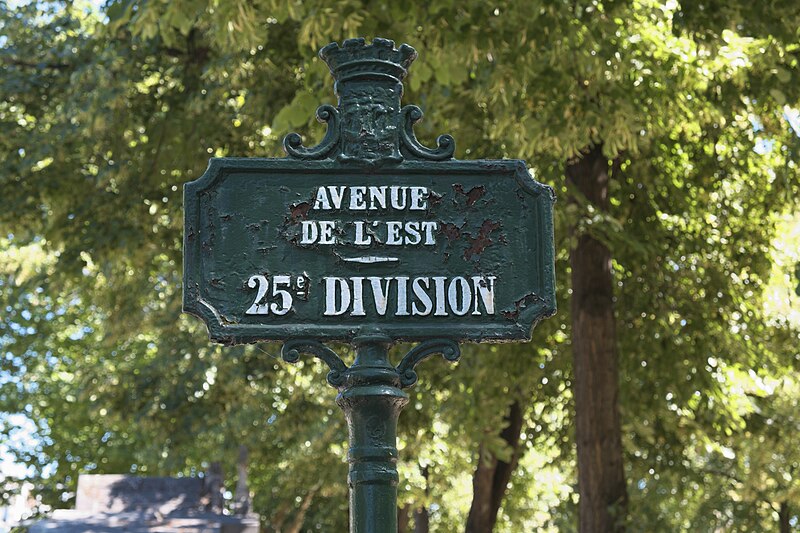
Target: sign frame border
[[520, 329]]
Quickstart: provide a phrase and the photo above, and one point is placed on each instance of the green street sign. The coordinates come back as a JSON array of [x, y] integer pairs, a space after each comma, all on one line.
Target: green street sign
[[277, 249], [369, 237], [369, 231]]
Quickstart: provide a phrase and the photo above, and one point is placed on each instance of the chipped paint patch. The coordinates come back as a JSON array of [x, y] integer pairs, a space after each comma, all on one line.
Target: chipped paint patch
[[482, 241], [473, 195], [300, 211], [521, 304]]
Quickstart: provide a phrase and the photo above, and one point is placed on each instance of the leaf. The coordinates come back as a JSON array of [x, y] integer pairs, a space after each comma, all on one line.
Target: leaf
[[296, 113], [778, 95]]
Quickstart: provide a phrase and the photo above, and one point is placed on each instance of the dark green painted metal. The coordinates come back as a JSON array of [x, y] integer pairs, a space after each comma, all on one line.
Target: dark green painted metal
[[488, 218], [372, 401], [371, 396], [493, 220], [482, 255]]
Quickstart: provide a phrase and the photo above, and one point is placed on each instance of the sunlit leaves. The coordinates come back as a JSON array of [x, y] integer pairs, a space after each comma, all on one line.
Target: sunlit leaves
[[106, 115]]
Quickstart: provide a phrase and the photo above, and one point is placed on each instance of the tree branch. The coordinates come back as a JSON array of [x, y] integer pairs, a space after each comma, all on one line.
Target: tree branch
[[28, 64]]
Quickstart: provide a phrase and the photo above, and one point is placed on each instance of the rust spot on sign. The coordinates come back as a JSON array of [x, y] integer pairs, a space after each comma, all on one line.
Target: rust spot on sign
[[480, 242], [300, 211], [521, 304], [473, 195], [451, 231], [434, 199]]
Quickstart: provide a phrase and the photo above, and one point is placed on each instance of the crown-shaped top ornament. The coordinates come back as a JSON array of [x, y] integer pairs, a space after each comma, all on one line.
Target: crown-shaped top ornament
[[376, 61], [368, 126]]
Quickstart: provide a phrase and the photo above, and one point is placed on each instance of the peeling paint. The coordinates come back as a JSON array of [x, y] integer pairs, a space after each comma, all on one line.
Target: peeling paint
[[451, 231], [521, 304], [300, 211], [478, 216], [473, 195], [433, 199], [482, 241]]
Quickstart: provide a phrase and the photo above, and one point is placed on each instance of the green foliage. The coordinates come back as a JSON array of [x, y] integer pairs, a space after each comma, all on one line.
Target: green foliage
[[105, 115], [797, 276]]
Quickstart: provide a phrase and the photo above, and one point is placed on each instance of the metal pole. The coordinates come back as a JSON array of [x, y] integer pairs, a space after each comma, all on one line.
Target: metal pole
[[371, 399], [370, 136]]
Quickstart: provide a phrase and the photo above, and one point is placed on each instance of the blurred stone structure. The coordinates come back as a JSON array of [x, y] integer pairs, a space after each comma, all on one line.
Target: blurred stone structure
[[116, 503]]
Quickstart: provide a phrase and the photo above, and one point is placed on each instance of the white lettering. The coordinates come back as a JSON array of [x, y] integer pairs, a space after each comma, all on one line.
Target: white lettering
[[484, 288], [402, 302], [358, 297], [357, 202], [422, 296], [258, 307], [419, 198], [398, 194], [437, 296], [459, 307], [286, 298], [310, 232], [377, 197], [372, 197], [322, 199], [337, 193], [330, 296], [326, 228], [362, 239], [380, 293], [440, 298], [393, 233], [429, 228], [412, 229]]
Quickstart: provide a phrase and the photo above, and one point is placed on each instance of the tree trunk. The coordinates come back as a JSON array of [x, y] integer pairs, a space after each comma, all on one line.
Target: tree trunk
[[421, 520], [213, 487], [241, 499], [421, 517], [783, 518], [403, 518], [490, 481], [601, 478], [300, 517]]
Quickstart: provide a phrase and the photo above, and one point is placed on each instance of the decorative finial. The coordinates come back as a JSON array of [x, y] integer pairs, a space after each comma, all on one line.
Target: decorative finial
[[369, 127], [356, 60]]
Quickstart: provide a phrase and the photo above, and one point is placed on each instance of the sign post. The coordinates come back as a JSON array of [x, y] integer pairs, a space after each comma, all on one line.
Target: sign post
[[369, 238]]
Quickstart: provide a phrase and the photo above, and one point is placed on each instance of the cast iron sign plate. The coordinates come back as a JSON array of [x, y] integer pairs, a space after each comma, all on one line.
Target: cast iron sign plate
[[278, 248], [369, 232]]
